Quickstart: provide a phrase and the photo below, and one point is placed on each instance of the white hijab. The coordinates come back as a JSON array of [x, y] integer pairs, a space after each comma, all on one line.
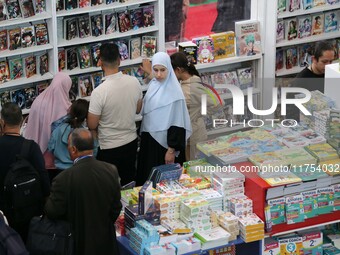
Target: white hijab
[[164, 104]]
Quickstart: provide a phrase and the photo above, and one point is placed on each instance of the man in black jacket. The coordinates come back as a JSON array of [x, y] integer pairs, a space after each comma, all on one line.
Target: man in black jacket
[[87, 195]]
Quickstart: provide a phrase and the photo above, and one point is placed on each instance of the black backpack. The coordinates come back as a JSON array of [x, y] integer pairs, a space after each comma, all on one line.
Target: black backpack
[[22, 189]]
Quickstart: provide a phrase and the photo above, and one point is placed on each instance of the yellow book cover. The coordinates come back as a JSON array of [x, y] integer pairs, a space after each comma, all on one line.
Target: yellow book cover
[[224, 44]]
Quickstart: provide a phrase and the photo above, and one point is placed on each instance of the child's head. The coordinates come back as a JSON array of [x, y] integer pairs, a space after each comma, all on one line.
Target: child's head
[[78, 112]]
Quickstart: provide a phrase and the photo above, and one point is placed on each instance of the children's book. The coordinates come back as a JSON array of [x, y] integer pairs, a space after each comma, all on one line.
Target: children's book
[[137, 18], [72, 59], [123, 49], [305, 26], [124, 21], [70, 28], [41, 33], [205, 49], [248, 37], [294, 5], [318, 3], [135, 47], [148, 15], [43, 63], [280, 30], [318, 23], [95, 50], [27, 8], [40, 6], [291, 29], [84, 26], [84, 3], [30, 95], [4, 71], [16, 68], [61, 59], [5, 97], [27, 36], [85, 85], [71, 4], [30, 66], [18, 97], [224, 44], [13, 9], [97, 24], [307, 4], [41, 87], [281, 6], [110, 22], [3, 40], [14, 36], [149, 46], [331, 21], [97, 79], [84, 54]]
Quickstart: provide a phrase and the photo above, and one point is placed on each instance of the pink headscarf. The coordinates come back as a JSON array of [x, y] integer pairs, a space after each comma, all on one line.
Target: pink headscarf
[[52, 104]]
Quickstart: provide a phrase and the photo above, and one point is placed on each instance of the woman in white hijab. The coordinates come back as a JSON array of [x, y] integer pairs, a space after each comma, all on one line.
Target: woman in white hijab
[[166, 123]]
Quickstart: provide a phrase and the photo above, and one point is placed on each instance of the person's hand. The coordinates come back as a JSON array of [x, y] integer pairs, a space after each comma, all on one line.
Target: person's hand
[[146, 66], [170, 156]]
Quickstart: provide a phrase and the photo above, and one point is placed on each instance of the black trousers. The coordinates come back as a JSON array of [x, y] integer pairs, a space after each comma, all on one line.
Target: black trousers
[[124, 158]]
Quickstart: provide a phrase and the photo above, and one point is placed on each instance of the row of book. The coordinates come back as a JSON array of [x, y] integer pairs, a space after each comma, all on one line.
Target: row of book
[[23, 66], [23, 37], [74, 4], [24, 97], [307, 25], [296, 5], [86, 56], [13, 9], [107, 22], [83, 85]]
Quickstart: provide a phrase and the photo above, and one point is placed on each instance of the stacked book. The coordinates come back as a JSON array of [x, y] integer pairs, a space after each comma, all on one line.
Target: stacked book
[[251, 227], [212, 238], [214, 199], [229, 222], [241, 206], [165, 172]]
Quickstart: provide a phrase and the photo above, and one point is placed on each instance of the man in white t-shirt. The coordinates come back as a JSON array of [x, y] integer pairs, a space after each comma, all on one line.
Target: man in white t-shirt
[[112, 111]]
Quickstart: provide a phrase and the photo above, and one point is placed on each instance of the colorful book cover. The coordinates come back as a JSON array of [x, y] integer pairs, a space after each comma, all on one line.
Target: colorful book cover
[[40, 6], [318, 23], [245, 77], [137, 18], [14, 36], [123, 49], [291, 29], [281, 6], [294, 5], [97, 25], [5, 97], [15, 68], [85, 85], [139, 74], [307, 4], [97, 79], [148, 15], [248, 38], [30, 66], [13, 9], [280, 31], [205, 49], [294, 209], [190, 50], [84, 56], [110, 23], [135, 47], [72, 59], [27, 36], [84, 26], [84, 3], [331, 21], [71, 28], [231, 78], [279, 60], [18, 97], [27, 8], [41, 33], [305, 26], [124, 21], [145, 197], [4, 71], [224, 44], [305, 54], [61, 59], [30, 95], [71, 4], [149, 46], [3, 40], [43, 63], [291, 57], [310, 204], [2, 10], [95, 51], [318, 3], [40, 87], [325, 200]]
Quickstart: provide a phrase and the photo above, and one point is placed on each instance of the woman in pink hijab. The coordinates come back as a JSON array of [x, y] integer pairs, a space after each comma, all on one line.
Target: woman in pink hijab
[[52, 104]]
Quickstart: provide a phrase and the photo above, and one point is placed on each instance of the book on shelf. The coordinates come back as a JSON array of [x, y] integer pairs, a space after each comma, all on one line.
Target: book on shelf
[[60, 5], [149, 46], [110, 1], [145, 198], [13, 9], [95, 50], [123, 48], [305, 26], [124, 21], [332, 2], [41, 33], [14, 36], [318, 3], [27, 8], [74, 90], [84, 54], [245, 77], [331, 21], [148, 15], [305, 54], [84, 3], [224, 44], [84, 26], [135, 47], [2, 10], [318, 20], [3, 40], [97, 24], [30, 95], [294, 5], [205, 49], [280, 30], [71, 4], [30, 63], [43, 63], [248, 37], [71, 58], [5, 97], [137, 18], [85, 85], [110, 20], [15, 68], [190, 50], [291, 57], [291, 32], [27, 36], [231, 78], [96, 2], [40, 6], [307, 4], [4, 71], [281, 6], [18, 97], [279, 60], [97, 79], [61, 59], [70, 28]]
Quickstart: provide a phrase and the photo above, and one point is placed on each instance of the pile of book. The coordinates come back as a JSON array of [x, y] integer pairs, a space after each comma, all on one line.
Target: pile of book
[[212, 238], [228, 221], [251, 228]]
